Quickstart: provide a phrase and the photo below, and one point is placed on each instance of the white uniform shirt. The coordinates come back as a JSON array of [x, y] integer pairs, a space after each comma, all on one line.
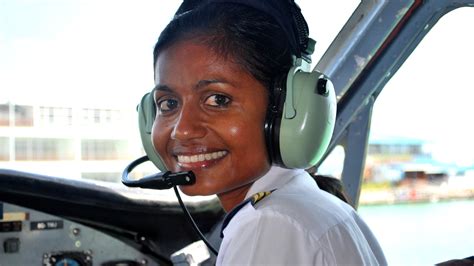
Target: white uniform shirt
[[298, 224]]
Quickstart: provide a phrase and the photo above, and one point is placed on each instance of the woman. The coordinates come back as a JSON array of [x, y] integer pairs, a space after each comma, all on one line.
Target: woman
[[214, 66]]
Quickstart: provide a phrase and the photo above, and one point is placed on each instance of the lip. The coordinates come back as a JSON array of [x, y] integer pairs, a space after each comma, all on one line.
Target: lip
[[193, 160]]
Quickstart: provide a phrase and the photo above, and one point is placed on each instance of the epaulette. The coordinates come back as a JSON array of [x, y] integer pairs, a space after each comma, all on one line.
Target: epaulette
[[259, 196], [254, 199]]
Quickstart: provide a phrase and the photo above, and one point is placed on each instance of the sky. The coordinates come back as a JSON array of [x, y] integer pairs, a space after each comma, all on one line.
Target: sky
[[95, 53], [431, 96], [94, 50]]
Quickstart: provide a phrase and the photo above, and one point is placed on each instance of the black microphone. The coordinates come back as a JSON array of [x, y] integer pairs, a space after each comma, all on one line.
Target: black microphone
[[162, 180]]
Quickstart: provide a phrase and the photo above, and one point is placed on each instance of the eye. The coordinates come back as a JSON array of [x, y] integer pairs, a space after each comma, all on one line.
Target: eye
[[166, 105], [217, 100]]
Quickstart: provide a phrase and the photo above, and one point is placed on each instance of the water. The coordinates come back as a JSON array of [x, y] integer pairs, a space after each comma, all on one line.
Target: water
[[423, 233]]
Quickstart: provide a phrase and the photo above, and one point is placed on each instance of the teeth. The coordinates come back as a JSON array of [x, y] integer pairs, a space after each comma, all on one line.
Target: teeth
[[201, 157]]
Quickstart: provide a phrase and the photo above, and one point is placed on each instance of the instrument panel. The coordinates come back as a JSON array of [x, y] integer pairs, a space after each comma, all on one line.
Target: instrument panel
[[30, 237]]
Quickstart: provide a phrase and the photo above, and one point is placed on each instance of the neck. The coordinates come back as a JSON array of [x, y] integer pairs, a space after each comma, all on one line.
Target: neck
[[230, 199]]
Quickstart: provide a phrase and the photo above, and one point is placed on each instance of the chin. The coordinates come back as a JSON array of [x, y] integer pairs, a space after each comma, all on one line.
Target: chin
[[195, 191]]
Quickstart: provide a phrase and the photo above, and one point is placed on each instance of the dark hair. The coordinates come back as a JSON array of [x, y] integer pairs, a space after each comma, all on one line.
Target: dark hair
[[248, 37], [332, 185]]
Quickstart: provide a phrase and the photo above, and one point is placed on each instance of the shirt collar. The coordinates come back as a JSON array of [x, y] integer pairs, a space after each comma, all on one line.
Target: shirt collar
[[273, 179]]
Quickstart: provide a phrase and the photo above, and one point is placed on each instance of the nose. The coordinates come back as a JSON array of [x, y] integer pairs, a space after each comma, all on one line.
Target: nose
[[189, 124]]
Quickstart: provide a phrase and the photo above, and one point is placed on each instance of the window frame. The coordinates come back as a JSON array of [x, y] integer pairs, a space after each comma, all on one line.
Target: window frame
[[383, 45]]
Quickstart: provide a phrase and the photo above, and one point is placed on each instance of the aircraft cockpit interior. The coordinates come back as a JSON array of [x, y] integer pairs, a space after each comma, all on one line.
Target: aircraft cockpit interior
[[76, 186]]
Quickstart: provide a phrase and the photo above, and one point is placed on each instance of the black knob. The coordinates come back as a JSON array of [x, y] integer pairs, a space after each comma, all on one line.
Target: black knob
[[321, 87]]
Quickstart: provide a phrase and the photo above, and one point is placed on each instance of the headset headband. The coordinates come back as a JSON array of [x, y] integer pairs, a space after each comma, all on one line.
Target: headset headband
[[285, 12]]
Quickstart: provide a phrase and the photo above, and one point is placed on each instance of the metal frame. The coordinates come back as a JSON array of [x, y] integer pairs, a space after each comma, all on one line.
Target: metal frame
[[360, 69]]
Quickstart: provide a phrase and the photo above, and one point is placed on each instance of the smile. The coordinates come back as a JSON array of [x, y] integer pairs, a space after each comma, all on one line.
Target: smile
[[201, 157]]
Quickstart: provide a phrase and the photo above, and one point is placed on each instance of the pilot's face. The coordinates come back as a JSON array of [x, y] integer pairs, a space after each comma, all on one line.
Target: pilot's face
[[210, 119]]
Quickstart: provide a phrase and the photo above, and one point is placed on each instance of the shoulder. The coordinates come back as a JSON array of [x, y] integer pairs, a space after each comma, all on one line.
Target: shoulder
[[301, 218], [305, 204], [256, 236], [299, 208], [336, 229]]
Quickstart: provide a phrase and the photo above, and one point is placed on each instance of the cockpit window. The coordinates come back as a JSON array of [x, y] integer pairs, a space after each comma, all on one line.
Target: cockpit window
[[418, 176]]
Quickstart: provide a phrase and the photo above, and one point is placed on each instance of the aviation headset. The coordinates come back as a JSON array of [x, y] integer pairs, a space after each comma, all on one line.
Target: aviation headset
[[301, 116]]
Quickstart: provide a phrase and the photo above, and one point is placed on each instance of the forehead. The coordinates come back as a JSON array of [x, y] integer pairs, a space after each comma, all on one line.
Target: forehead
[[191, 57]]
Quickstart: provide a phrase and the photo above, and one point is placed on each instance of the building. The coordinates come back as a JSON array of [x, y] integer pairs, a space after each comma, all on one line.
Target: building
[[387, 157], [398, 159], [396, 147], [71, 142]]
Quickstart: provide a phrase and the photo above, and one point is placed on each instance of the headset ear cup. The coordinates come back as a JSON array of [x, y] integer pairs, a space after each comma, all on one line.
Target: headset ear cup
[[304, 138], [146, 116]]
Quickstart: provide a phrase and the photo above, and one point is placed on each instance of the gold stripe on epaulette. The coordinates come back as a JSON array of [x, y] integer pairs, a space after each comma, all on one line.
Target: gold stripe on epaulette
[[259, 196]]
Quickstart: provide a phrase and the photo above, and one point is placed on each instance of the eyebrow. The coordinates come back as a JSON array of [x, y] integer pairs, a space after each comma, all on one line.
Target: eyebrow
[[161, 87], [200, 84], [205, 82]]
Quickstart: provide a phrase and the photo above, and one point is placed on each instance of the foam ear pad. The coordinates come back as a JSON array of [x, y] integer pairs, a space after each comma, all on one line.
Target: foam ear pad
[[300, 139], [273, 119], [146, 118]]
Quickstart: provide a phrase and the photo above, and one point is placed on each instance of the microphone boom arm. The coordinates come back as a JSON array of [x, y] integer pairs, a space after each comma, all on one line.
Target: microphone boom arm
[[162, 180]]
